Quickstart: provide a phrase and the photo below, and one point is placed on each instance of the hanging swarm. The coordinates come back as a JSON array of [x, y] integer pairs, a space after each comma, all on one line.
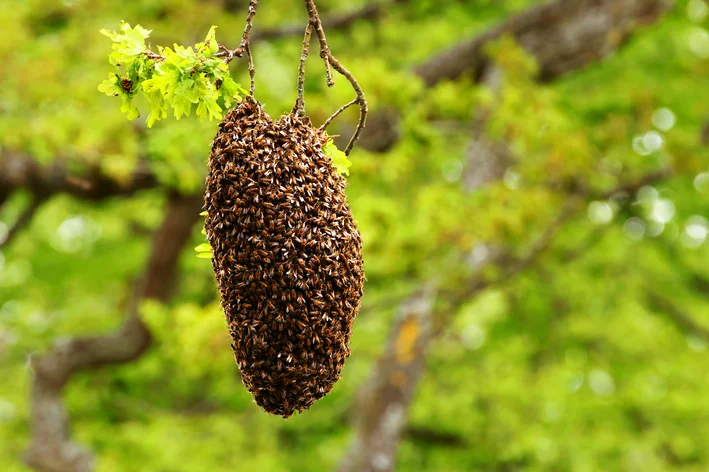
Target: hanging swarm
[[286, 254]]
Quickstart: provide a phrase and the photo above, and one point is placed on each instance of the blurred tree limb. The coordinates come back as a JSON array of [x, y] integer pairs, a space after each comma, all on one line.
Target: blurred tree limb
[[562, 36], [23, 172], [684, 322], [332, 22], [51, 449], [22, 220]]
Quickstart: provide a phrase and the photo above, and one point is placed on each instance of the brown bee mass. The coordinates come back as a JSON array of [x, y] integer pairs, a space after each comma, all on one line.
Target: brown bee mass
[[287, 256]]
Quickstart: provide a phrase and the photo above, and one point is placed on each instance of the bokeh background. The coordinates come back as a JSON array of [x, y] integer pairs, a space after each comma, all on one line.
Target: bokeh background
[[531, 191]]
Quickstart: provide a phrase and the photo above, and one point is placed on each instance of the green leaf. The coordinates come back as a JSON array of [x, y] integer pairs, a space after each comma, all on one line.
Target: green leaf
[[204, 213], [204, 255], [187, 89], [204, 247], [230, 91], [129, 43], [110, 86], [162, 81], [339, 159], [208, 107], [210, 46], [158, 108], [128, 108]]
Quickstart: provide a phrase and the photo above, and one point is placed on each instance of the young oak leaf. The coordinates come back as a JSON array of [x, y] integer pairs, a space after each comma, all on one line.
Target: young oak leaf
[[110, 86], [339, 159], [129, 43], [210, 46], [204, 251]]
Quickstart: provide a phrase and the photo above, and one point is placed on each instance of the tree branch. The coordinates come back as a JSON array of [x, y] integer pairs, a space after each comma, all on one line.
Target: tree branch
[[339, 21], [22, 172], [23, 220], [51, 449], [299, 108], [562, 36], [683, 321], [383, 402], [330, 60]]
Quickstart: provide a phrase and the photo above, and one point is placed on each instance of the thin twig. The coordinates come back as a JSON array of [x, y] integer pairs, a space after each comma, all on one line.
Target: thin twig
[[334, 115], [252, 70], [331, 61], [299, 108], [253, 5], [154, 56], [228, 54], [324, 48]]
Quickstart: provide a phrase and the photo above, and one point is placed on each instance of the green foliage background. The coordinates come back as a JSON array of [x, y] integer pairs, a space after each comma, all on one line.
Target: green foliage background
[[563, 367]]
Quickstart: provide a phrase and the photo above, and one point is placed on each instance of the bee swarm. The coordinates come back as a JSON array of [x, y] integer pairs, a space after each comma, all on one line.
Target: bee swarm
[[286, 254]]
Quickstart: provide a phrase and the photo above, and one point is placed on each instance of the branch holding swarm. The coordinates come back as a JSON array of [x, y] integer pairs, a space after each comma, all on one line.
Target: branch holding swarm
[[51, 448], [329, 61], [299, 108]]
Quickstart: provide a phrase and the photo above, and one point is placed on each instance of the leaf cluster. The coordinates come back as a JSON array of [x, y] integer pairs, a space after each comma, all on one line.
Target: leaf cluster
[[180, 77]]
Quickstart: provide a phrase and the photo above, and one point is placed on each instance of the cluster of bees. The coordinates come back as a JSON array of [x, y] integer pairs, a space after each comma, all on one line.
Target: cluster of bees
[[286, 254]]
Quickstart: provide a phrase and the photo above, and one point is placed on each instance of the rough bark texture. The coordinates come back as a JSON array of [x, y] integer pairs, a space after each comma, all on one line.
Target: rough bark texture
[[51, 449]]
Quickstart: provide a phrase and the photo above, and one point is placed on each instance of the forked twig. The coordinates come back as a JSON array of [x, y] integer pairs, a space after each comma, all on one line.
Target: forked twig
[[334, 115], [330, 60], [239, 52], [253, 5]]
